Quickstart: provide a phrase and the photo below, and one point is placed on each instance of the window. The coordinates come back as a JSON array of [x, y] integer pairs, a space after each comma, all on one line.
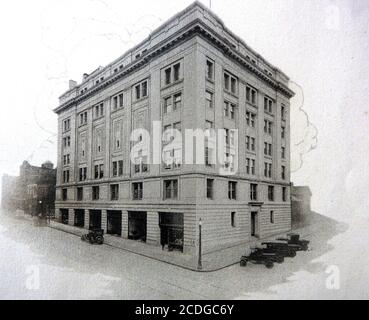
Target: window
[[99, 171], [209, 99], [79, 194], [64, 194], [283, 173], [233, 219], [172, 103], [283, 112], [232, 190], [283, 132], [172, 74], [250, 119], [209, 70], [95, 193], [250, 143], [230, 83], [253, 192], [250, 166], [271, 193], [229, 110], [99, 111], [66, 175], [66, 142], [118, 168], [114, 192], [171, 189], [141, 90], [137, 190], [117, 101], [268, 105], [268, 127], [66, 125], [66, 159], [267, 149], [283, 153], [82, 174], [284, 194], [272, 217], [251, 95], [267, 170], [83, 118], [209, 188]]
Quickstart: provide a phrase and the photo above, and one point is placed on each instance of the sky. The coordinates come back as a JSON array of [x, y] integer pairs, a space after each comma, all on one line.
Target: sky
[[321, 45]]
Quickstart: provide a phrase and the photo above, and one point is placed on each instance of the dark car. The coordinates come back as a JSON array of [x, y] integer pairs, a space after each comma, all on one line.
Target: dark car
[[282, 248], [257, 257], [94, 236], [294, 239]]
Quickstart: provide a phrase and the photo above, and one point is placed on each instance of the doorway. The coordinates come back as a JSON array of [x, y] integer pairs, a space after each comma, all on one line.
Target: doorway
[[79, 218], [171, 231], [114, 223], [137, 226], [64, 216], [254, 224], [95, 219]]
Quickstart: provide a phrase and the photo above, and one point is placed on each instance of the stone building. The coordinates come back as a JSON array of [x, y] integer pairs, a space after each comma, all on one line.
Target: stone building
[[33, 191], [190, 73]]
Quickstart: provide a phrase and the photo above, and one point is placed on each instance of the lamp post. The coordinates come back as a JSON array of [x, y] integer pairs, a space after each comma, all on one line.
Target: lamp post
[[199, 266]]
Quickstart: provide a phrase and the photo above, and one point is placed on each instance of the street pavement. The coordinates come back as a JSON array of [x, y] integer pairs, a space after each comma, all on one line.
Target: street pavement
[[44, 263]]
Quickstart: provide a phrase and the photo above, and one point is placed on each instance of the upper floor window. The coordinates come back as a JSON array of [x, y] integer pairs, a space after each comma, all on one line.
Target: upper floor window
[[268, 105], [268, 127], [172, 74], [82, 174], [66, 142], [283, 153], [66, 125], [209, 98], [253, 192], [117, 101], [283, 112], [64, 194], [79, 194], [137, 191], [66, 176], [283, 132], [95, 193], [250, 119], [267, 170], [114, 192], [229, 110], [172, 103], [271, 193], [251, 95], [283, 172], [267, 149], [66, 159], [250, 166], [284, 194], [232, 190], [83, 118], [230, 83], [99, 171], [99, 111], [171, 189], [117, 168], [250, 143], [233, 219], [141, 90], [209, 188], [209, 69]]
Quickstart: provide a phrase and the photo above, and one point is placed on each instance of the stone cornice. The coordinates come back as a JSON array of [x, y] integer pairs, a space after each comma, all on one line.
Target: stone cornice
[[197, 27]]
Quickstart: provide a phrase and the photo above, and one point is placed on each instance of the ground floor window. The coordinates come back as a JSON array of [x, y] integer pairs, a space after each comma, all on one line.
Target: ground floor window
[[95, 219], [79, 218], [114, 223], [64, 216], [171, 231], [137, 226]]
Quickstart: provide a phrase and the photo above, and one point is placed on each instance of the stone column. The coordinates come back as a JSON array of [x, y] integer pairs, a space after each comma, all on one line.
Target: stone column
[[71, 217], [87, 219], [104, 220], [153, 230], [125, 224]]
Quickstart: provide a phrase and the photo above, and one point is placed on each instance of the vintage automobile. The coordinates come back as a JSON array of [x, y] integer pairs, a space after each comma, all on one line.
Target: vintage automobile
[[294, 239], [282, 248], [94, 236], [258, 257]]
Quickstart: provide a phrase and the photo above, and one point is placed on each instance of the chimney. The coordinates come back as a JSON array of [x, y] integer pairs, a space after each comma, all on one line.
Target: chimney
[[72, 84]]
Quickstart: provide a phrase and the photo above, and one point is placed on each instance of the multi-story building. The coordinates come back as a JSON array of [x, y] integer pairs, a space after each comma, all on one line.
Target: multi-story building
[[190, 73]]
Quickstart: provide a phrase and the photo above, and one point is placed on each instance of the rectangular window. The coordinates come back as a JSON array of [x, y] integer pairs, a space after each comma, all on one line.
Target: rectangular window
[[64, 194], [210, 70], [271, 193], [137, 190], [229, 110], [251, 95], [168, 76], [232, 190], [283, 173], [268, 105], [250, 119], [141, 90], [230, 83], [99, 171], [82, 174], [176, 71], [114, 192], [177, 98], [233, 219], [272, 217], [283, 132], [66, 176], [172, 74], [267, 170], [283, 153], [170, 189], [283, 112], [79, 194], [253, 192], [209, 188], [209, 99], [83, 118], [66, 125], [95, 193], [284, 194]]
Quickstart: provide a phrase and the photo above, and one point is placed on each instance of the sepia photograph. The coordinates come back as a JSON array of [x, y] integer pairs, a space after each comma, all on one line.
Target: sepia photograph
[[212, 150]]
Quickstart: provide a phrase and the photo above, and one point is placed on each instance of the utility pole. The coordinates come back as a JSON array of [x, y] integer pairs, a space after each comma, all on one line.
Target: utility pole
[[199, 266]]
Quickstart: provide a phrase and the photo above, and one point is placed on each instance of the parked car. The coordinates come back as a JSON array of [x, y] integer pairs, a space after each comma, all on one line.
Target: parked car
[[258, 257], [282, 248], [292, 238], [94, 236]]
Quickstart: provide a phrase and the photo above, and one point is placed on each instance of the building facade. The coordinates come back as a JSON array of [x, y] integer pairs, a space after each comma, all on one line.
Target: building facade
[[33, 191], [191, 73]]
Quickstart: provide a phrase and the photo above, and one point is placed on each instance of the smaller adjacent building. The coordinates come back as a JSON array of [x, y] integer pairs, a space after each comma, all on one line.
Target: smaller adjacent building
[[300, 205], [33, 191]]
